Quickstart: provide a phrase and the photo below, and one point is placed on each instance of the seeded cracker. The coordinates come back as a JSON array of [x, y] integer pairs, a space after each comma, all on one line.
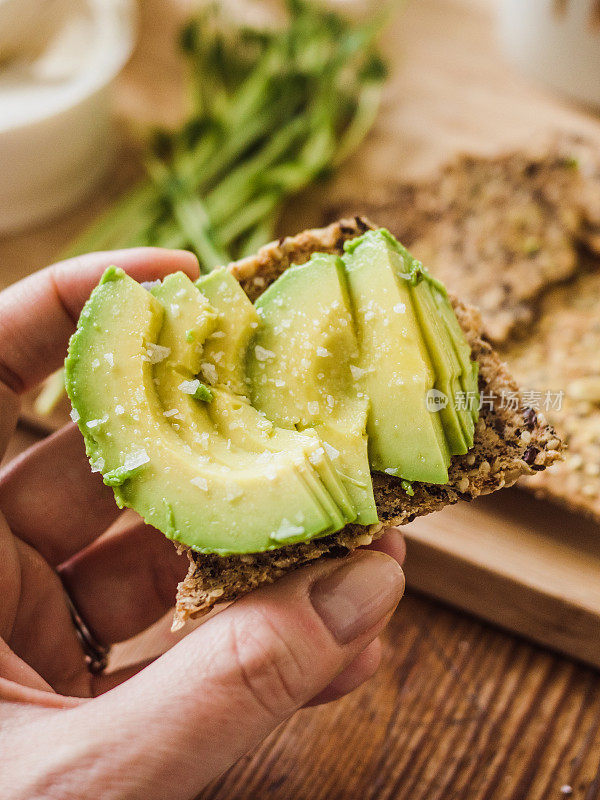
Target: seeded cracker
[[560, 365], [500, 455], [499, 231]]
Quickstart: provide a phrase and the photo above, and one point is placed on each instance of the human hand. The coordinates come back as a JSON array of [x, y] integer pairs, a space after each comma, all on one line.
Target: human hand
[[165, 729]]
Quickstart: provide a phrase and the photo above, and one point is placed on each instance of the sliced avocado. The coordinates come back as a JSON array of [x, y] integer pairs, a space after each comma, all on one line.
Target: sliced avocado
[[394, 370], [187, 321], [232, 414], [192, 499], [226, 349], [470, 369], [229, 428], [457, 422], [245, 427], [299, 369]]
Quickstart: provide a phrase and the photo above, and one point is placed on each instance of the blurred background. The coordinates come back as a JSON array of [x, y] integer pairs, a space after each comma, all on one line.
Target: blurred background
[[471, 129], [453, 76]]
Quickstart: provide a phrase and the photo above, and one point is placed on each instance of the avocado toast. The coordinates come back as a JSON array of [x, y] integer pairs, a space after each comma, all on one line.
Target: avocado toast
[[285, 482]]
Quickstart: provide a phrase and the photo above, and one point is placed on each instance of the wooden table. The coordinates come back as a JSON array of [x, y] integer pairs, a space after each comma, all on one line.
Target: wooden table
[[459, 709]]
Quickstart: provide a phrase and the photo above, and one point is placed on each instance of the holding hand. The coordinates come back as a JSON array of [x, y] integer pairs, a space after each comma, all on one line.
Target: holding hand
[[165, 729]]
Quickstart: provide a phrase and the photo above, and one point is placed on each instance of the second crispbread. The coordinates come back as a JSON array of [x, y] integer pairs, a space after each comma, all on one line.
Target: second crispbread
[[499, 231], [559, 363]]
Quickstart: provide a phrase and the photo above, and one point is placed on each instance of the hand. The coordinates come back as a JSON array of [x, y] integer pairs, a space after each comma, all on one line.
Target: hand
[[165, 729]]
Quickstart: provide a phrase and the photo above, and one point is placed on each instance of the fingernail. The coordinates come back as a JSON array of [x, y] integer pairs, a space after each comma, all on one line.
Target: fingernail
[[358, 594]]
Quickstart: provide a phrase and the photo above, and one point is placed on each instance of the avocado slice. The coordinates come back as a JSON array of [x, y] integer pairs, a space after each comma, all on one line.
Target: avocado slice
[[394, 368], [299, 369], [192, 499], [469, 376], [187, 322], [235, 417], [457, 422], [232, 430], [453, 338], [238, 320]]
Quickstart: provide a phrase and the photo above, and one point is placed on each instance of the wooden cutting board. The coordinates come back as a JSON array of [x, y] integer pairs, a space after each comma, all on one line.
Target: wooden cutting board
[[521, 563]]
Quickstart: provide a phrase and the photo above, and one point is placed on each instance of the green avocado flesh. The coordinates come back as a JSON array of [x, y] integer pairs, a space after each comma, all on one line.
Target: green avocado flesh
[[246, 505], [241, 428], [300, 369]]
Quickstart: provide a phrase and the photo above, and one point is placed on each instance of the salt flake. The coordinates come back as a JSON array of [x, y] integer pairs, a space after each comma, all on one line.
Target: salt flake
[[331, 451], [286, 530], [209, 371], [189, 387], [262, 354], [155, 353], [356, 372], [135, 460]]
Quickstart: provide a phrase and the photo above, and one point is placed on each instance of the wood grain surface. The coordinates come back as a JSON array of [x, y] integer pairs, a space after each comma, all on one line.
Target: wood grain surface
[[459, 709]]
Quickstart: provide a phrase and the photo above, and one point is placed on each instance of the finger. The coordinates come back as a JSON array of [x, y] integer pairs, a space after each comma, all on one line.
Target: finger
[[39, 313], [108, 680], [125, 581], [392, 543], [51, 498], [9, 405], [356, 673], [43, 634], [223, 688], [13, 668]]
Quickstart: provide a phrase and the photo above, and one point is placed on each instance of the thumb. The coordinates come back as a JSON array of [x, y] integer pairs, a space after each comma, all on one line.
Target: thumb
[[188, 716]]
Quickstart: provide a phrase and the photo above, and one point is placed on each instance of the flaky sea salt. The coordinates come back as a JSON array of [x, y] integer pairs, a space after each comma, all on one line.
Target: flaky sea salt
[[93, 423], [331, 451], [356, 372], [316, 456], [74, 414], [155, 353], [209, 371], [137, 459], [286, 530], [262, 354], [201, 483], [189, 387]]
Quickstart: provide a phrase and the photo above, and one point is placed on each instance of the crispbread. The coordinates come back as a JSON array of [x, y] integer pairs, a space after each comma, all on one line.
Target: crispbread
[[499, 231], [562, 356], [509, 442]]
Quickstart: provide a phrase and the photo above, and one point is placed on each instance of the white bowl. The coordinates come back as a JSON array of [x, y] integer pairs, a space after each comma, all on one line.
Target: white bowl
[[55, 138], [557, 42]]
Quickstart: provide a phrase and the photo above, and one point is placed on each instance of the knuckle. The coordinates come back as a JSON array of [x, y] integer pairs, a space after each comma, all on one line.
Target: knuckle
[[269, 667]]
